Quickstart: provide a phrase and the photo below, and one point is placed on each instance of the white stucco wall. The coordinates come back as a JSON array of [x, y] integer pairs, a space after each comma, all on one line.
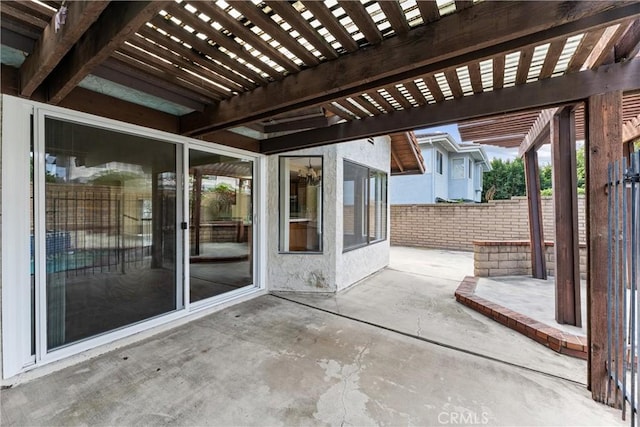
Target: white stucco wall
[[330, 270], [302, 272]]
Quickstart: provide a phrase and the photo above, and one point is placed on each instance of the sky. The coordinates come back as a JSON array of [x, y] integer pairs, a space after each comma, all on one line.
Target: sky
[[544, 153]]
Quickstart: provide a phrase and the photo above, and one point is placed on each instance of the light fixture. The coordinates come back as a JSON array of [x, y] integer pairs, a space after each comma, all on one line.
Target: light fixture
[[309, 175]]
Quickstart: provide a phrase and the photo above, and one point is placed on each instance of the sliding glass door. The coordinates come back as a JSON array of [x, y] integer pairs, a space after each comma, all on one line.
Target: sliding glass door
[[128, 229], [108, 230], [220, 193]]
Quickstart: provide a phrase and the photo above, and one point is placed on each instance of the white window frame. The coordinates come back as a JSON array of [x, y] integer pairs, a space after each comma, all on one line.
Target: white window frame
[[439, 162], [16, 295]]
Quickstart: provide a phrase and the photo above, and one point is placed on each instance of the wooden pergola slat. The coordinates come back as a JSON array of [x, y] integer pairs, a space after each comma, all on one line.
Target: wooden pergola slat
[[229, 44], [182, 62], [118, 72], [229, 78], [628, 46], [433, 86], [524, 64], [169, 72], [429, 10], [415, 92], [357, 113], [339, 112], [588, 42], [259, 18], [376, 96], [130, 65], [454, 83], [394, 13], [326, 18], [476, 77], [364, 103], [295, 19], [498, 72], [237, 28], [362, 19], [398, 96], [551, 60], [603, 52], [202, 48]]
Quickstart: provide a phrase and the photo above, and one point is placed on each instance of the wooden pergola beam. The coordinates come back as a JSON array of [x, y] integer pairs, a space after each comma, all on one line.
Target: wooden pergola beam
[[538, 134], [118, 22], [570, 88], [424, 50], [629, 44], [52, 46]]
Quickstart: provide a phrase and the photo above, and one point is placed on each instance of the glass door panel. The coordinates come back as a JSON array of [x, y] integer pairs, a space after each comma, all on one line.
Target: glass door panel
[[111, 244], [220, 218]]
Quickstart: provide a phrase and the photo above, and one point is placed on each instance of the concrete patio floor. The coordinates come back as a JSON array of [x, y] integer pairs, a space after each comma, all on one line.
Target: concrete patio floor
[[395, 349]]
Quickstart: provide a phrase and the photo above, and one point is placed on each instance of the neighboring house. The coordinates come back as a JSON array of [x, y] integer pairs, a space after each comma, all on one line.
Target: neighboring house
[[452, 172]]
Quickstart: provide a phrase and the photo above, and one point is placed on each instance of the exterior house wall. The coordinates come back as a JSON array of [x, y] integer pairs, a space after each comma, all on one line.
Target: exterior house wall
[[456, 226], [359, 263], [331, 270], [441, 181], [296, 271], [471, 179], [414, 188], [459, 187], [477, 182]]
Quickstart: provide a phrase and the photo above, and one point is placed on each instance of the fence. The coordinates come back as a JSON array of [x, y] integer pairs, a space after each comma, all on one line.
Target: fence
[[623, 303], [95, 230], [456, 226]]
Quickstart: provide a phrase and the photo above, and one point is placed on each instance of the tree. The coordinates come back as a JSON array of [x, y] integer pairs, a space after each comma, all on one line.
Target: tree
[[505, 180], [546, 175]]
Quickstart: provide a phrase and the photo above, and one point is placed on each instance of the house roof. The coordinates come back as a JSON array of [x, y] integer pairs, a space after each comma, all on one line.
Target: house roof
[[446, 141], [274, 76], [406, 157]]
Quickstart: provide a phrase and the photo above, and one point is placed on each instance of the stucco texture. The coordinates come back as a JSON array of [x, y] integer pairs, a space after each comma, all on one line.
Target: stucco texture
[[331, 270]]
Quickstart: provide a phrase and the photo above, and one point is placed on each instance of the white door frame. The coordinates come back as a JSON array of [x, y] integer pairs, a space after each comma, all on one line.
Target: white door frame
[[16, 245]]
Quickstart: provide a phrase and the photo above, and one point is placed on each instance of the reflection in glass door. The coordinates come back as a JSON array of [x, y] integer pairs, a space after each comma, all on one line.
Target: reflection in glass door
[[110, 230], [220, 218]]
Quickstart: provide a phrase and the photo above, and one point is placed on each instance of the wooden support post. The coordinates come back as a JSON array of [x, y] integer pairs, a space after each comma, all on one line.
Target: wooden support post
[[565, 195], [536, 232], [603, 145]]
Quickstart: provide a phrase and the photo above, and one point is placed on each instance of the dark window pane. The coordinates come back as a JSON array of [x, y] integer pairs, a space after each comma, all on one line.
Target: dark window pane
[[110, 230]]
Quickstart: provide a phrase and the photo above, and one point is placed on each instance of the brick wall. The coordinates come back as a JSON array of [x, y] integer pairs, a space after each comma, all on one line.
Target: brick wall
[[513, 258], [456, 226]]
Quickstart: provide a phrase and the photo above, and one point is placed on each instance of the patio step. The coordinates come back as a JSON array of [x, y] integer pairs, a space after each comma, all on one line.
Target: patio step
[[555, 339]]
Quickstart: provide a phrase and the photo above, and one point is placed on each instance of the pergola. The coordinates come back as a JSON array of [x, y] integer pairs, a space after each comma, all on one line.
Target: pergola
[[272, 76]]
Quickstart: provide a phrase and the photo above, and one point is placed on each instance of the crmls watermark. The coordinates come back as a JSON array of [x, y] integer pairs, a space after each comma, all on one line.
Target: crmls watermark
[[463, 418]]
